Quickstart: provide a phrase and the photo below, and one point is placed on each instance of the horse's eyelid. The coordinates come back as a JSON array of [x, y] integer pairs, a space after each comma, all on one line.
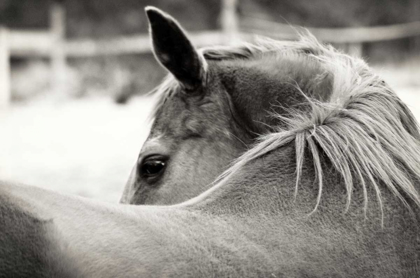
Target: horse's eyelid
[[164, 158]]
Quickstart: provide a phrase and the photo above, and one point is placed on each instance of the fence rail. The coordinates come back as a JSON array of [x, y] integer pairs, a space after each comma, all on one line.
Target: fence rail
[[334, 35], [134, 44], [53, 44]]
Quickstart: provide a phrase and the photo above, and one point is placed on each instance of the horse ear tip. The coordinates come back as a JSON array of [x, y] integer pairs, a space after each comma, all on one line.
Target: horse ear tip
[[150, 8], [153, 12]]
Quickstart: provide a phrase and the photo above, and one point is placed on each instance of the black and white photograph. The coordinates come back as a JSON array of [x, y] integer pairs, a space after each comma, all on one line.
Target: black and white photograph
[[209, 138]]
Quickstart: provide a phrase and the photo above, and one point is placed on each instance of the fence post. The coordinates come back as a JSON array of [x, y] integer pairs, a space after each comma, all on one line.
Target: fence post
[[58, 54], [5, 94], [229, 20]]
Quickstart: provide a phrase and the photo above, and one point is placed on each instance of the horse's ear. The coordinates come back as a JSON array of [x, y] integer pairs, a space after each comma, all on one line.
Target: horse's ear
[[174, 50]]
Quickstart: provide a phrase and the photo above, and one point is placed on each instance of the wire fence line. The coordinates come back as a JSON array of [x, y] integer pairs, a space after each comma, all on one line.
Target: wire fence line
[[53, 44]]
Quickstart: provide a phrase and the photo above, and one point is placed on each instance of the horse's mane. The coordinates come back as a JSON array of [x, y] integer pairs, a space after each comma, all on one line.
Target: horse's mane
[[365, 131]]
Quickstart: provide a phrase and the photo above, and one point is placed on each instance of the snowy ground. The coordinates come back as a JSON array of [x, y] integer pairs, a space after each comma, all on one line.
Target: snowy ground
[[87, 147], [84, 147]]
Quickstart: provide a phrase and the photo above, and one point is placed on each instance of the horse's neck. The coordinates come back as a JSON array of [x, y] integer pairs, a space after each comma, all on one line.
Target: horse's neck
[[268, 184], [264, 192], [251, 231], [266, 187], [94, 239]]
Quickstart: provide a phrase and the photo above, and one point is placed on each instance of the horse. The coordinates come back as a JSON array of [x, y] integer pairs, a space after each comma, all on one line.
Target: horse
[[332, 192], [213, 106]]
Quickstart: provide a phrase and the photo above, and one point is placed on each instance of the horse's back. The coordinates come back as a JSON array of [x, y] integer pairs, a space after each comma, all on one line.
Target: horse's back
[[25, 240]]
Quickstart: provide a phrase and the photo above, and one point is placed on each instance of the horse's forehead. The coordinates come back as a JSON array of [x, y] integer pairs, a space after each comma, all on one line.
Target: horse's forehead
[[154, 142], [182, 116]]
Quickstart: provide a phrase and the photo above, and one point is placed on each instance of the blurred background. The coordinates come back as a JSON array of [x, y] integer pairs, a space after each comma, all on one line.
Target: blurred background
[[74, 74]]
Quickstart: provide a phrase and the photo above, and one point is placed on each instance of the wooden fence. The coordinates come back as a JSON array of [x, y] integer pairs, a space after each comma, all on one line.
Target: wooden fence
[[53, 44]]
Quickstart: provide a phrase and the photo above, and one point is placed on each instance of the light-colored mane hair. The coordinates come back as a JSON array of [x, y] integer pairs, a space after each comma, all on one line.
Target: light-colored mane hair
[[365, 131]]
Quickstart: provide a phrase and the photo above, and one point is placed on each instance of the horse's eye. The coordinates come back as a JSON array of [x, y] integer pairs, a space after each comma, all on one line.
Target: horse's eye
[[152, 167]]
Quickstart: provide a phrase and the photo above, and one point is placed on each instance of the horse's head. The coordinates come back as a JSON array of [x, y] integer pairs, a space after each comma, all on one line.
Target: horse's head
[[212, 107]]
